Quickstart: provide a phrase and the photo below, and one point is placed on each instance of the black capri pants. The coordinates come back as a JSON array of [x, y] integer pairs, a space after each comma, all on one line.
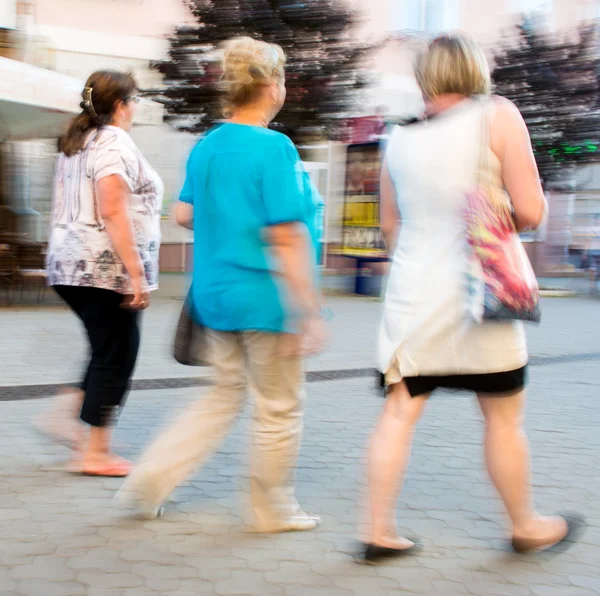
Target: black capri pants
[[114, 337]]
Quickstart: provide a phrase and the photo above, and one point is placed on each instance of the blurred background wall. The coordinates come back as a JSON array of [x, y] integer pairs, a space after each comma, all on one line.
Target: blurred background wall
[[76, 37]]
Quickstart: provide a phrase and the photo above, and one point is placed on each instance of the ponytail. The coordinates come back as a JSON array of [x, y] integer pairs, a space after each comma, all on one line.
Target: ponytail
[[74, 139]]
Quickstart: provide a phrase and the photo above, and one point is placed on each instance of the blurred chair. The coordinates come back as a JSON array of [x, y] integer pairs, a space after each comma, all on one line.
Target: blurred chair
[[32, 269], [9, 267]]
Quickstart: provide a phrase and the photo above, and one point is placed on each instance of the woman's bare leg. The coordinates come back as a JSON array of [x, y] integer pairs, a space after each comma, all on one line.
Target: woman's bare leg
[[507, 459], [61, 420], [388, 458]]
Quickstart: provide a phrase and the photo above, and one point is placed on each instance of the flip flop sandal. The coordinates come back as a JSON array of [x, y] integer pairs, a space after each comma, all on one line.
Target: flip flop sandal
[[576, 525], [116, 470]]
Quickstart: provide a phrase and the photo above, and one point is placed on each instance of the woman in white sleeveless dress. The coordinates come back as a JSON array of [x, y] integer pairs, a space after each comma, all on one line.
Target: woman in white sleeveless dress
[[426, 339]]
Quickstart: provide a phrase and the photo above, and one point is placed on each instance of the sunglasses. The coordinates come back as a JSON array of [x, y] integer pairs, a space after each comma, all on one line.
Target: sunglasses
[[133, 98]]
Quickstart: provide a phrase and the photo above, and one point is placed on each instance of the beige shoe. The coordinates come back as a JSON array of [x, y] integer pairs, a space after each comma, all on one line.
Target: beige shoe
[[300, 522]]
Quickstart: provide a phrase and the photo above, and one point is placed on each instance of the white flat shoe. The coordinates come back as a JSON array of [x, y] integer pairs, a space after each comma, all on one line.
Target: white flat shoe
[[301, 522]]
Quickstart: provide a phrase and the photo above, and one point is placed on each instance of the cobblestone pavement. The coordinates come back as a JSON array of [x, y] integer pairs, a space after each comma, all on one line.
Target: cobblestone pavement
[[64, 535]]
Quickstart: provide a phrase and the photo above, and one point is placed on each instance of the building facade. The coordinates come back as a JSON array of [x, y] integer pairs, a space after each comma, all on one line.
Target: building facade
[[409, 23], [75, 38], [489, 23], [118, 34]]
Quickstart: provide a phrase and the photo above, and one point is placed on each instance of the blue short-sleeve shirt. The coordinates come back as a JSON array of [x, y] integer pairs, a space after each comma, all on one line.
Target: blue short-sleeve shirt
[[240, 180]]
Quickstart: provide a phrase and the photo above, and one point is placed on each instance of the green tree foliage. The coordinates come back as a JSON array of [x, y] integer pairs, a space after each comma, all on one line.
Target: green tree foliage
[[556, 85], [323, 69]]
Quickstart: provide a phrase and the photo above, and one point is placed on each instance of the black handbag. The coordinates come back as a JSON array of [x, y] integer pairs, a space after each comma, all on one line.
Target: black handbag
[[191, 342]]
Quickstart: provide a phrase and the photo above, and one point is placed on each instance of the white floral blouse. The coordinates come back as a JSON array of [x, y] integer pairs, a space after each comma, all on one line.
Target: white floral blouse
[[80, 252]]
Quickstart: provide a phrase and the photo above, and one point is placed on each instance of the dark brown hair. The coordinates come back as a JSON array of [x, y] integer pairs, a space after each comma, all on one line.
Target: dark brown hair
[[103, 90]]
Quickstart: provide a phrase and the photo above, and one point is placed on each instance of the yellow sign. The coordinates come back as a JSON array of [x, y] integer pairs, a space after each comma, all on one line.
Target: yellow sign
[[361, 227]]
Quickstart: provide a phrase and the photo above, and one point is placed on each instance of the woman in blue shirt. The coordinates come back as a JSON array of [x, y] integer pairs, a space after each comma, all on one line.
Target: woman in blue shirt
[[254, 213]]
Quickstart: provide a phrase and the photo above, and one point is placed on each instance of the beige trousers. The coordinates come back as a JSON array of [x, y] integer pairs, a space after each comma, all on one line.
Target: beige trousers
[[240, 360]]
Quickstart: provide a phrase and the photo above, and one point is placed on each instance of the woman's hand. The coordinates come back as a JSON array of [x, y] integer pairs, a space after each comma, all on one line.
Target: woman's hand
[[314, 336], [140, 299], [309, 341]]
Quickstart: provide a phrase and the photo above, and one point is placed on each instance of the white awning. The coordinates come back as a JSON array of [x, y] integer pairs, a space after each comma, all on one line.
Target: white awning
[[38, 103]]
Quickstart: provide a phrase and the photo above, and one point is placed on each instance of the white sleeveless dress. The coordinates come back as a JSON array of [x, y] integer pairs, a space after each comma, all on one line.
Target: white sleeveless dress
[[426, 330]]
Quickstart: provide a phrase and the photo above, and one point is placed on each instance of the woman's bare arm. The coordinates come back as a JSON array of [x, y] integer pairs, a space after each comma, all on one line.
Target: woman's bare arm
[[113, 197], [184, 215], [389, 214], [291, 245], [511, 143]]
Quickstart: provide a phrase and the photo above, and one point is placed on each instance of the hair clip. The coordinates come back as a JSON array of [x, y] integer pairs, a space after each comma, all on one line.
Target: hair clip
[[87, 101]]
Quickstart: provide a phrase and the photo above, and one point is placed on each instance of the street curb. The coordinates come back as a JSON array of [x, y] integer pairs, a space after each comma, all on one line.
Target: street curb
[[557, 293], [10, 393]]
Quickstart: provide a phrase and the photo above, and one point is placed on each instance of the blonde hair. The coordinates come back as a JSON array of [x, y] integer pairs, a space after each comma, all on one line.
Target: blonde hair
[[453, 64], [249, 65]]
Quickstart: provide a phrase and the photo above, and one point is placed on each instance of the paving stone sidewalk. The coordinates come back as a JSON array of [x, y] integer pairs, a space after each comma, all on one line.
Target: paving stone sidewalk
[[64, 535]]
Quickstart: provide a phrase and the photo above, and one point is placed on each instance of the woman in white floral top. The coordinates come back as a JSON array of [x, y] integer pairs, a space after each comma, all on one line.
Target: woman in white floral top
[[103, 252]]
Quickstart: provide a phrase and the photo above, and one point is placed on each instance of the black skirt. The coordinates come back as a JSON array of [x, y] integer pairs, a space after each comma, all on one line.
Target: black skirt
[[493, 384]]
